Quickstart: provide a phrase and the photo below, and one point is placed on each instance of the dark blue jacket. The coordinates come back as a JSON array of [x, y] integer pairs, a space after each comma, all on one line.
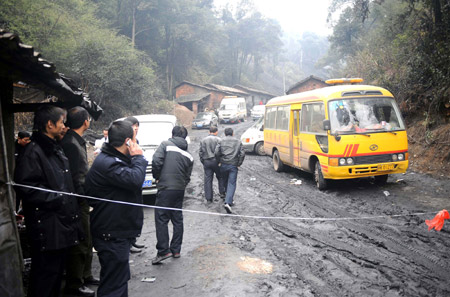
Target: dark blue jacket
[[115, 176]]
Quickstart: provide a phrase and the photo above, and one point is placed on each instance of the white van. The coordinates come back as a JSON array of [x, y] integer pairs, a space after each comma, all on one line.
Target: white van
[[253, 139], [232, 109]]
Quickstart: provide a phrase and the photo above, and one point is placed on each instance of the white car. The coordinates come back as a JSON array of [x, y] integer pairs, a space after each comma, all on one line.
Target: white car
[[253, 139], [153, 129], [257, 112]]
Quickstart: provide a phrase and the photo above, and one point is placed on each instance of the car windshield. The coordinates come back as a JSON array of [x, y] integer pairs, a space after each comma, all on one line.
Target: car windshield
[[258, 108], [258, 124], [153, 133], [228, 107], [362, 115], [203, 116]]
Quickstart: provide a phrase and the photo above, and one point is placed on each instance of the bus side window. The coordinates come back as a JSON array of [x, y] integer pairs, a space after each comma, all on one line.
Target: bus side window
[[306, 118], [296, 122]]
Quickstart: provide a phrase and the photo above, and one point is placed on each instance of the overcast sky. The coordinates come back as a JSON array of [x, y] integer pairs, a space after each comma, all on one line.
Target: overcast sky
[[294, 16]]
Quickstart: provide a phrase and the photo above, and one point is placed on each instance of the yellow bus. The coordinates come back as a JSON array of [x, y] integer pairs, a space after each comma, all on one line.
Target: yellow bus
[[337, 132]]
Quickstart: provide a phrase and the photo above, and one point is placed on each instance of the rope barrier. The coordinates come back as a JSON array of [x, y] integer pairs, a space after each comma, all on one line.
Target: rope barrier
[[223, 214]]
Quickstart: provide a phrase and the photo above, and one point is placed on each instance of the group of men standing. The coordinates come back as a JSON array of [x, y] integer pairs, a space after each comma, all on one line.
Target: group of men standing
[[61, 228]]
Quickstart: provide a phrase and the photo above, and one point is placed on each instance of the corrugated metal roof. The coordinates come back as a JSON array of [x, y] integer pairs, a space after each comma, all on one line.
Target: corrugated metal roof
[[19, 62], [227, 89]]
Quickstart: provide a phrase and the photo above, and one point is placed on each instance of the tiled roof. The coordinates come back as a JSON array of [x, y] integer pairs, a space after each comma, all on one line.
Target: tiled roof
[[303, 81], [19, 62], [227, 89], [191, 97], [251, 90]]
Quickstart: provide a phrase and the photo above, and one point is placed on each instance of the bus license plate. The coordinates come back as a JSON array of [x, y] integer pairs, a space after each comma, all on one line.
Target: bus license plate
[[147, 184], [386, 167]]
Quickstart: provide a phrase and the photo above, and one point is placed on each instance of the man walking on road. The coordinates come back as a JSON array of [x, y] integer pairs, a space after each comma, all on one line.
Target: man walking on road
[[52, 219], [210, 165], [79, 260], [230, 154], [117, 174], [171, 167]]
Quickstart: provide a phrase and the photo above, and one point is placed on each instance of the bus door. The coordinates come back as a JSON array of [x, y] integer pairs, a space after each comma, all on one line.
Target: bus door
[[312, 136], [295, 138]]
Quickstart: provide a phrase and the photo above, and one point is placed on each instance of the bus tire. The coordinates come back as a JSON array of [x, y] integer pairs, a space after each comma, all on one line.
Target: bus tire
[[277, 164], [381, 179], [321, 182], [259, 148]]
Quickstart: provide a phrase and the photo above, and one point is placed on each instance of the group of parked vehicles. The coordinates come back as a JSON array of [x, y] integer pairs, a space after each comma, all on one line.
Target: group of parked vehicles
[[337, 132]]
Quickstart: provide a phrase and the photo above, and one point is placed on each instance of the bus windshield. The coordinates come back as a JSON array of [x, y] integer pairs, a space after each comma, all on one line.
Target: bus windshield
[[361, 115]]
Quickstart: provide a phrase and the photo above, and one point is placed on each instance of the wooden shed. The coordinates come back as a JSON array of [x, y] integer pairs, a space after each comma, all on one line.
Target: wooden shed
[[21, 65]]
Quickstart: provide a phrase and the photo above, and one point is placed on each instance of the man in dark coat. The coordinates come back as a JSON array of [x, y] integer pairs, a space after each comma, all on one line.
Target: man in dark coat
[[52, 219], [23, 139], [117, 174], [171, 168], [230, 154], [79, 260], [210, 165]]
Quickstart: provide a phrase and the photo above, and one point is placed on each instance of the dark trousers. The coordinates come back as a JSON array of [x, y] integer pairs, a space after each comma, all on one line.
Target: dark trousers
[[46, 272], [173, 199], [211, 167], [229, 174], [79, 259], [115, 270]]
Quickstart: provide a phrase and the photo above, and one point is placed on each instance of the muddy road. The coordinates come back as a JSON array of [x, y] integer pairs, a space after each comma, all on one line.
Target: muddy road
[[371, 245]]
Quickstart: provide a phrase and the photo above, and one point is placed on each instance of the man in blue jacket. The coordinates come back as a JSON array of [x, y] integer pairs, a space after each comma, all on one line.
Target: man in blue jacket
[[172, 168], [117, 174]]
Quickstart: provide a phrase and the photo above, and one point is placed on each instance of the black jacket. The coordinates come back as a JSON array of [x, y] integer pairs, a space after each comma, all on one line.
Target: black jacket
[[52, 219], [208, 147], [172, 164], [74, 147], [230, 151], [115, 176]]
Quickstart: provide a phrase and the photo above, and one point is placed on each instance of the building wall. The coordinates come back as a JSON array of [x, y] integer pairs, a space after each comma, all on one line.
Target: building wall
[[308, 86]]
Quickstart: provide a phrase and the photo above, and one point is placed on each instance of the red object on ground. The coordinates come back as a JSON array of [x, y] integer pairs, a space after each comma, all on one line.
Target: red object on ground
[[438, 221]]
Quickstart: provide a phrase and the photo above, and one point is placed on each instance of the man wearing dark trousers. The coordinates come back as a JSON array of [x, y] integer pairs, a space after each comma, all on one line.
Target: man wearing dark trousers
[[210, 165], [79, 260], [230, 154], [117, 174], [52, 219], [171, 168]]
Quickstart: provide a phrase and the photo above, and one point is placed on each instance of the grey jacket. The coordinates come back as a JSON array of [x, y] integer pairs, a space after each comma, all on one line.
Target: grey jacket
[[230, 151], [208, 147]]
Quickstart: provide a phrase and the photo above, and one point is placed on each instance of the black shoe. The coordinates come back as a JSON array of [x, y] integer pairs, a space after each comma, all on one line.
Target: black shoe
[[160, 258], [134, 250], [137, 245], [227, 208], [91, 281], [82, 291], [208, 201]]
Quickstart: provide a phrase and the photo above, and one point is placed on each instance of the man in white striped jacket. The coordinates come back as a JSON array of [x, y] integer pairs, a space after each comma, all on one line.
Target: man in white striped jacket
[[171, 168]]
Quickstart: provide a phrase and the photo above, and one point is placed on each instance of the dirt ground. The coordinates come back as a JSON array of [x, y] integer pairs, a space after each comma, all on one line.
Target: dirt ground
[[370, 240]]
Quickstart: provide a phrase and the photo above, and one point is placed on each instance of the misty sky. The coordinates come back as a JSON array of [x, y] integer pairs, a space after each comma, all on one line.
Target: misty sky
[[294, 16]]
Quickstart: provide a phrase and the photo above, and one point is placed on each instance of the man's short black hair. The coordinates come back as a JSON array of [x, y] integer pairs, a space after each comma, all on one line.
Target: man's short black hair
[[132, 120], [47, 113], [23, 134], [213, 129], [118, 132], [179, 131], [228, 132], [76, 117]]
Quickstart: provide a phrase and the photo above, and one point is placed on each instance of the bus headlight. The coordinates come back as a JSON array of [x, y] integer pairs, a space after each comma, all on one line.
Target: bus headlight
[[394, 157], [349, 161], [342, 161], [401, 157]]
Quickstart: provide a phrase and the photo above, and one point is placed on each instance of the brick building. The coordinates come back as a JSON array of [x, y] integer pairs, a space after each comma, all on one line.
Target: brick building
[[310, 83]]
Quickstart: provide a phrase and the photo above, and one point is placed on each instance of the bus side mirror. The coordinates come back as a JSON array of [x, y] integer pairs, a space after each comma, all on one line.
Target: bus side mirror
[[326, 125]]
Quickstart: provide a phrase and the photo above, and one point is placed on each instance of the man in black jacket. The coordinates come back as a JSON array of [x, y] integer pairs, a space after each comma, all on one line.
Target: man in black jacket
[[171, 168], [52, 219], [79, 260], [230, 154], [210, 165], [117, 174]]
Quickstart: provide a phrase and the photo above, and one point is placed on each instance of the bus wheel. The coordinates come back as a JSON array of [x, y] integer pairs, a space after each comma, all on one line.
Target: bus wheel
[[381, 179], [277, 164], [259, 148], [318, 177]]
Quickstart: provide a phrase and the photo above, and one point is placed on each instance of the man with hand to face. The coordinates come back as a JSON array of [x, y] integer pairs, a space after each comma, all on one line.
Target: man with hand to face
[[117, 175]]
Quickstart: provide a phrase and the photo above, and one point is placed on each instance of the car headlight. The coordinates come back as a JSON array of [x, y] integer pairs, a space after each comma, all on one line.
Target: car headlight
[[349, 161], [401, 157], [394, 157], [342, 161]]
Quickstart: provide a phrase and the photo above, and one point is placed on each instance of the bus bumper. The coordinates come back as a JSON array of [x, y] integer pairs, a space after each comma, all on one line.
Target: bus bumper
[[347, 172]]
